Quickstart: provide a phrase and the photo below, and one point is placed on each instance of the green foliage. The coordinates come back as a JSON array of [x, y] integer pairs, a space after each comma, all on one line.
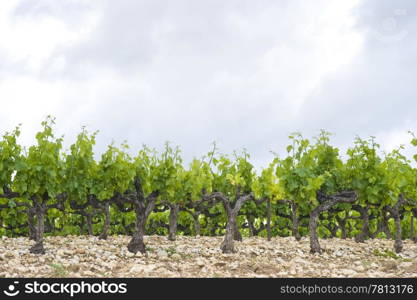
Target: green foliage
[[310, 168], [10, 157], [366, 173], [386, 253], [233, 176], [115, 173], [59, 270], [197, 180], [41, 171], [81, 168], [267, 185], [160, 172]]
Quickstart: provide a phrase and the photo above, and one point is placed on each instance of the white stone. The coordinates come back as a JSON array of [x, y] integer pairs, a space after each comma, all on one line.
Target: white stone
[[176, 256], [162, 253], [405, 264], [200, 262]]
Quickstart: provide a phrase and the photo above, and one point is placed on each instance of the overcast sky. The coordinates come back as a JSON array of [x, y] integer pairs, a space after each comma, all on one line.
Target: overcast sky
[[242, 73]]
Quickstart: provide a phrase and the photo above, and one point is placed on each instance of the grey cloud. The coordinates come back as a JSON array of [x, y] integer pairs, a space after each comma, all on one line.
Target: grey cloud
[[72, 12], [375, 93], [191, 72]]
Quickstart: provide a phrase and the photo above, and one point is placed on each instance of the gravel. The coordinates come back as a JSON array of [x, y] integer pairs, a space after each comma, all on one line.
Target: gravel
[[82, 256]]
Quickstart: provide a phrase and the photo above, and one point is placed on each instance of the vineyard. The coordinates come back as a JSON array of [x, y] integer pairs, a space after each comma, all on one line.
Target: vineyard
[[47, 192]]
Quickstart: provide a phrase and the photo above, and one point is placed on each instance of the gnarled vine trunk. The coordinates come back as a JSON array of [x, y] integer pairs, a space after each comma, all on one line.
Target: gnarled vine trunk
[[252, 230], [227, 246], [237, 236], [412, 232], [360, 238], [136, 243], [143, 208], [414, 215], [197, 226], [395, 213], [295, 221], [268, 219], [398, 244], [385, 228], [333, 231], [173, 215], [40, 210], [328, 202], [342, 226], [314, 241], [89, 219], [31, 223], [106, 226]]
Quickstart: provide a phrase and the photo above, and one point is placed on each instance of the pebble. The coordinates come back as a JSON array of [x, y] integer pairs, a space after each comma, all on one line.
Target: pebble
[[200, 262], [162, 254], [136, 269], [176, 256], [405, 264]]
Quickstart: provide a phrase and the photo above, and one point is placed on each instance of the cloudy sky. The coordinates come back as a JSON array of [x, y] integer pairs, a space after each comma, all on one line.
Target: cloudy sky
[[240, 72]]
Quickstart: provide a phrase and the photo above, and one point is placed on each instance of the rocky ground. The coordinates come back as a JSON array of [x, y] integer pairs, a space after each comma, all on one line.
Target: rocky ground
[[74, 256]]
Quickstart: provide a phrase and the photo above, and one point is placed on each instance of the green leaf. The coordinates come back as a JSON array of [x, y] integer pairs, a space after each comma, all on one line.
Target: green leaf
[[11, 203]]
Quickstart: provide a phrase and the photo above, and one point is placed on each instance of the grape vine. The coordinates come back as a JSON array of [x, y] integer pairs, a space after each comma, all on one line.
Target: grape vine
[[312, 191]]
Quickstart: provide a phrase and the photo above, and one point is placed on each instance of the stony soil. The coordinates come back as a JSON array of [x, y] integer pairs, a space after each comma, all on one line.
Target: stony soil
[[74, 256]]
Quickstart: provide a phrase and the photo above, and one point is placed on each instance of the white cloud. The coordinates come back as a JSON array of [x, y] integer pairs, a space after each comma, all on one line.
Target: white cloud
[[243, 73], [33, 40]]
